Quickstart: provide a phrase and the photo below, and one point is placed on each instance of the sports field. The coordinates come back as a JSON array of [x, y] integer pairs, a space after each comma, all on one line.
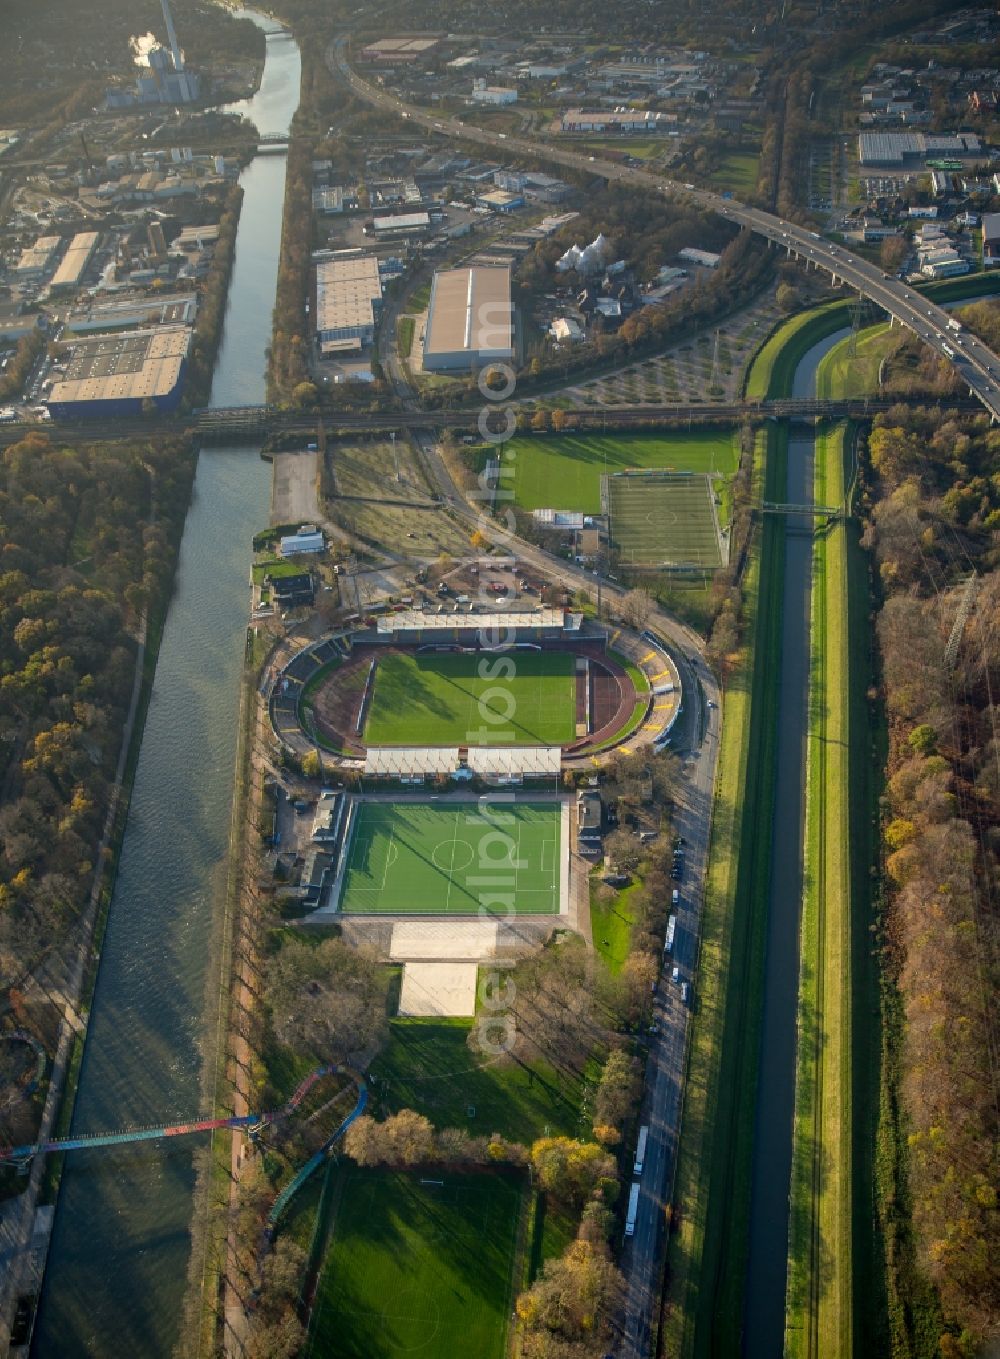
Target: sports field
[[418, 1264], [450, 699], [663, 518], [563, 472], [421, 858]]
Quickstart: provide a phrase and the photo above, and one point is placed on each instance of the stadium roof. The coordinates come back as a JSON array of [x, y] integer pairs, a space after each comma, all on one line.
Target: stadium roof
[[422, 620], [387, 762], [533, 761]]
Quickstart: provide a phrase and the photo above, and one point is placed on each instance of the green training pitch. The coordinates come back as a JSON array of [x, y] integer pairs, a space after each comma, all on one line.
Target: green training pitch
[[442, 699], [418, 1265], [563, 472], [422, 858], [663, 519]]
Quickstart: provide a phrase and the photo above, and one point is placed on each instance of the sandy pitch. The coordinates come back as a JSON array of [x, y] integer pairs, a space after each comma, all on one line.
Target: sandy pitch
[[439, 989], [443, 941]]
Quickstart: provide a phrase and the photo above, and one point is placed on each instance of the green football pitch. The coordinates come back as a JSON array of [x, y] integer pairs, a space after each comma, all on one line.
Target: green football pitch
[[418, 1264], [662, 518], [563, 471], [443, 699], [422, 858]]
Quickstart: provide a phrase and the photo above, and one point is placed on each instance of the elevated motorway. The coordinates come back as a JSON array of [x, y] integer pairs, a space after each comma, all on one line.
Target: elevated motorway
[[975, 362]]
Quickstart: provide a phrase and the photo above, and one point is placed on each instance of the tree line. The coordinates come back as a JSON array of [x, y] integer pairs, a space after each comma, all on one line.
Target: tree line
[[88, 539], [932, 498]]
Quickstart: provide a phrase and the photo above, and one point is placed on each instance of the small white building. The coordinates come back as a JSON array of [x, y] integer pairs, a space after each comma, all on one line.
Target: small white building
[[705, 258], [307, 539], [564, 329], [492, 94]]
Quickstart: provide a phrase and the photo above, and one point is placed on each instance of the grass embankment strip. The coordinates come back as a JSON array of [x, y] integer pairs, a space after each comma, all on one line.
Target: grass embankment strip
[[707, 1255], [774, 366], [819, 1306], [404, 336]]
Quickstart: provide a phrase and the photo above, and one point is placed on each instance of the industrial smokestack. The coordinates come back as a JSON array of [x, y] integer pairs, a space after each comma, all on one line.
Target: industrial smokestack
[[168, 19]]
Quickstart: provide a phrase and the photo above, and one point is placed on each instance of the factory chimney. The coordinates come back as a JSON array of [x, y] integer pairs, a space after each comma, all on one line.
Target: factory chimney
[[168, 19]]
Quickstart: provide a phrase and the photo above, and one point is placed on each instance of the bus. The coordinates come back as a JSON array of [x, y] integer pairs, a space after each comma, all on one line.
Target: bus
[[633, 1209], [671, 931], [640, 1150]]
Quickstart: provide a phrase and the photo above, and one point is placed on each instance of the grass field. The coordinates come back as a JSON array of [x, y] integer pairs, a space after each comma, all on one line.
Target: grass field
[[707, 1262], [819, 1316], [661, 519], [564, 472], [428, 1065], [611, 923], [421, 858], [440, 699], [416, 1267]]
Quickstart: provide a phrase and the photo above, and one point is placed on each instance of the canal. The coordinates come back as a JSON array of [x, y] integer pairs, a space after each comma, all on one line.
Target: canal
[[764, 1311], [117, 1268]]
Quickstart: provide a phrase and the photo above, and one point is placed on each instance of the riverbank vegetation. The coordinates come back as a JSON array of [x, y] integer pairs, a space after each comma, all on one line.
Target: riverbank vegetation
[[933, 512], [89, 537], [212, 298]]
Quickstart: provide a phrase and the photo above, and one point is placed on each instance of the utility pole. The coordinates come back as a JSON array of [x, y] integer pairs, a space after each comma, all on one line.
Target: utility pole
[[961, 618]]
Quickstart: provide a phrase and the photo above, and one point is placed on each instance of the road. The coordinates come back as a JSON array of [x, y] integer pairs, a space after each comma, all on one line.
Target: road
[[975, 362]]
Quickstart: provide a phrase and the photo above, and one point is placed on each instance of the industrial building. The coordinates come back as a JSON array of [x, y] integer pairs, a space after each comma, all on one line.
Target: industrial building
[[74, 262], [706, 258], [348, 297], [470, 320], [35, 259], [910, 150], [118, 375], [391, 51], [991, 240], [617, 120], [403, 224], [492, 94], [166, 80]]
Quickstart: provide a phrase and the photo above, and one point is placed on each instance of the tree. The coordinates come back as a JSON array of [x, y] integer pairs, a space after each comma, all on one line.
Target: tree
[[624, 850], [327, 1000], [312, 765], [617, 1092], [540, 421], [636, 607]]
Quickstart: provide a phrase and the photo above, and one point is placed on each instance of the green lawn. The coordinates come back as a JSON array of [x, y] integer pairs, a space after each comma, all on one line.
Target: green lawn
[[737, 173], [429, 858], [611, 924], [428, 1065], [564, 472], [418, 1267], [436, 699]]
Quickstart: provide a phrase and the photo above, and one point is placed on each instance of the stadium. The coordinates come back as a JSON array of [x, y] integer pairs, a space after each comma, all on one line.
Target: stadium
[[503, 697], [445, 837]]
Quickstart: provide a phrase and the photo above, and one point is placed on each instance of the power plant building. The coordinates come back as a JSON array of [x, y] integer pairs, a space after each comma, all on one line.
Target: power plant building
[[167, 81], [118, 375], [348, 297], [470, 320]]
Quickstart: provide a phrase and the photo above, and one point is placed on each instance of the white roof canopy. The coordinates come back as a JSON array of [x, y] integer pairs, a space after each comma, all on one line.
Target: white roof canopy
[[393, 763], [533, 761]]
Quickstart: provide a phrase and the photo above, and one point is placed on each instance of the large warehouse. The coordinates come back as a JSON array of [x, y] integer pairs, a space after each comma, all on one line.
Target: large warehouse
[[348, 297], [470, 321], [118, 374]]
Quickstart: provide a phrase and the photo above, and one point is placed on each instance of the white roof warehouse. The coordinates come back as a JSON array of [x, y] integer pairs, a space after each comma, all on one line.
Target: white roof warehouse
[[348, 297], [470, 319]]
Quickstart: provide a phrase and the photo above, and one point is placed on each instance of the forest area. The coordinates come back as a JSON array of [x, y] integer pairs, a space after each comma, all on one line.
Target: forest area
[[88, 541], [933, 502]]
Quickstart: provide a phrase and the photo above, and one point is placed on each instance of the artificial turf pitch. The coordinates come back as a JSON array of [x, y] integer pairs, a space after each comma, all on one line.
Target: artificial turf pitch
[[422, 858], [418, 1264], [482, 698], [663, 519]]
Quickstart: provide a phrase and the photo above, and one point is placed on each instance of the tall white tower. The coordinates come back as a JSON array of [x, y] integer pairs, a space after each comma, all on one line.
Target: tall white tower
[[175, 51]]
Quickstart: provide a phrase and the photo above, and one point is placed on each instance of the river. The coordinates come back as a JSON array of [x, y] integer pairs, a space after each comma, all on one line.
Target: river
[[764, 1313], [117, 1268]]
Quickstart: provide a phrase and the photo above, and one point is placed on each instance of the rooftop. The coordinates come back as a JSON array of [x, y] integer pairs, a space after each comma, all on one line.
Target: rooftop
[[347, 290], [470, 309]]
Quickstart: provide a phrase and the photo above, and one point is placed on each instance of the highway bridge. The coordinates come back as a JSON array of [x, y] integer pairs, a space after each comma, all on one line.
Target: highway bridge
[[975, 362]]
